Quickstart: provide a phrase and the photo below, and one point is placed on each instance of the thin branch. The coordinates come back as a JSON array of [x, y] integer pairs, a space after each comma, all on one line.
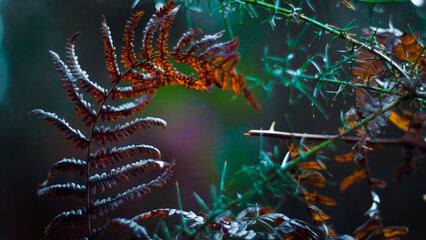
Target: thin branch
[[277, 134]]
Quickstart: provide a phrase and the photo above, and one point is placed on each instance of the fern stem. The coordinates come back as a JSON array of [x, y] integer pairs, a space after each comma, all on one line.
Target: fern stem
[[340, 33], [252, 191], [98, 112]]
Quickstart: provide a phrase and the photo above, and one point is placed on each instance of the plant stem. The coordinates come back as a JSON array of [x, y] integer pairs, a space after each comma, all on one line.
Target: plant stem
[[98, 112], [339, 33], [285, 135]]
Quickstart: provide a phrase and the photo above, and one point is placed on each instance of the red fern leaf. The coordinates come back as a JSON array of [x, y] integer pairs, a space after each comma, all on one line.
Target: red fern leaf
[[138, 232], [226, 47], [111, 113], [98, 92], [128, 51], [106, 156], [82, 107], [136, 77], [121, 174], [164, 31], [72, 60], [206, 40], [109, 52], [74, 135], [65, 165], [134, 91], [105, 205], [215, 65], [77, 218], [165, 212], [187, 38], [151, 27], [103, 135], [189, 81], [68, 189], [152, 69]]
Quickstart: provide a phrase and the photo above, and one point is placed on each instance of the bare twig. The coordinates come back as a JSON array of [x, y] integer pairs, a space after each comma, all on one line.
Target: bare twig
[[278, 134]]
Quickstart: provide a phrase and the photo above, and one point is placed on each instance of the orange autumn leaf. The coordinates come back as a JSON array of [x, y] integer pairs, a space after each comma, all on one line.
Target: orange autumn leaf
[[394, 231], [345, 158], [371, 225], [355, 177], [295, 152], [408, 49], [312, 166], [313, 178], [265, 210], [316, 197], [348, 4], [317, 215], [391, 232], [401, 122]]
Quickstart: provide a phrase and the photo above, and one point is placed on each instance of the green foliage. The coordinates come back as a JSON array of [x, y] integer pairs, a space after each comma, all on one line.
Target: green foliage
[[380, 73]]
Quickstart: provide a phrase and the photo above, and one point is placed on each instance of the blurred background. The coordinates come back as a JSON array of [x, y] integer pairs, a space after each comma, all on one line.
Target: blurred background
[[204, 129]]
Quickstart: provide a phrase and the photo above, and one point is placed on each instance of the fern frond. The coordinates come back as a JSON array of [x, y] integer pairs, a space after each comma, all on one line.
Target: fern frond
[[151, 27], [153, 70], [82, 107], [206, 40], [76, 218], [68, 189], [65, 165], [166, 212], [106, 134], [72, 60], [166, 25], [138, 232], [164, 31], [111, 113], [106, 156], [137, 78], [128, 51], [98, 92], [74, 135], [187, 38], [121, 174], [225, 47], [189, 81], [215, 65], [136, 90], [109, 52], [110, 204]]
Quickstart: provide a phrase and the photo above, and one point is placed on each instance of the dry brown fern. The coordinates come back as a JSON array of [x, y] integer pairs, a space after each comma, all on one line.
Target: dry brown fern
[[214, 66]]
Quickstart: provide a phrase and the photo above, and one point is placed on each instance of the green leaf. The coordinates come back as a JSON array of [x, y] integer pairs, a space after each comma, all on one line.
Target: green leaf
[[201, 202]]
